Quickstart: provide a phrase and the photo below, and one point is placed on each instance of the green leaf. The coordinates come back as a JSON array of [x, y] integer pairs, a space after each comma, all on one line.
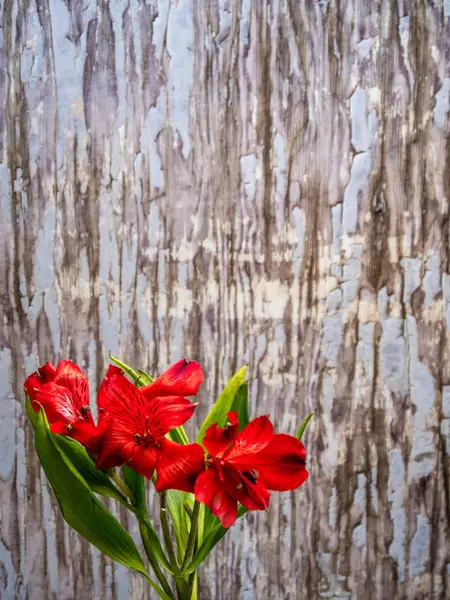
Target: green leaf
[[211, 540], [125, 368], [178, 435], [210, 522], [303, 426], [139, 377], [79, 506], [136, 484], [240, 405], [30, 412], [181, 522], [144, 378], [97, 480], [223, 404]]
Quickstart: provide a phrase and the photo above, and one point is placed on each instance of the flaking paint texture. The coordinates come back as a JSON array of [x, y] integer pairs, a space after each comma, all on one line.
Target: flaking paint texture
[[238, 182]]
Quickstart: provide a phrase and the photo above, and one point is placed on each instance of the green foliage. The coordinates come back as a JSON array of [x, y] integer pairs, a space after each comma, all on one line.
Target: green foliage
[[223, 404], [240, 405], [136, 484], [79, 506], [181, 522], [303, 426], [211, 540], [97, 480]]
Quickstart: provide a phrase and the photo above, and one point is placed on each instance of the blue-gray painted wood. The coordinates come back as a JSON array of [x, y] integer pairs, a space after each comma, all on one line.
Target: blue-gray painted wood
[[238, 182]]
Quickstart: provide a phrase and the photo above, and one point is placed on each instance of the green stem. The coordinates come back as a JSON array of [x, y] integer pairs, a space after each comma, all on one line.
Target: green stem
[[188, 509], [153, 561], [192, 580], [121, 485], [193, 576], [192, 536], [166, 533]]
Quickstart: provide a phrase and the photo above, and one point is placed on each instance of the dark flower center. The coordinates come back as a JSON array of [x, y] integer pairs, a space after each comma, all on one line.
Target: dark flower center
[[83, 413], [146, 438], [85, 410], [251, 475]]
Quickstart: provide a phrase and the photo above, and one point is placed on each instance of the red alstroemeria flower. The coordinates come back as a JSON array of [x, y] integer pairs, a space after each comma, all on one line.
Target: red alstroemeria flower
[[139, 418], [244, 466], [63, 393]]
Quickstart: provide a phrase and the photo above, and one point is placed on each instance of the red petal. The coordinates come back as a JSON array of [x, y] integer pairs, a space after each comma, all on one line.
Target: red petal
[[217, 440], [233, 417], [72, 378], [88, 435], [210, 491], [281, 465], [116, 446], [57, 402], [181, 379], [168, 412], [59, 427], [252, 439], [63, 393], [47, 372], [251, 494], [143, 460], [178, 466], [120, 398], [108, 461], [32, 385]]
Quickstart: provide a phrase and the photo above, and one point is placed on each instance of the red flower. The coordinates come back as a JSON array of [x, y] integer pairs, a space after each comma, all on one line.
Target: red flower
[[63, 393], [139, 418], [244, 466]]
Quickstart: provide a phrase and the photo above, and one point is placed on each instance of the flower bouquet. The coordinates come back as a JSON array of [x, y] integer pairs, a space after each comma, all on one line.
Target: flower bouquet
[[203, 487]]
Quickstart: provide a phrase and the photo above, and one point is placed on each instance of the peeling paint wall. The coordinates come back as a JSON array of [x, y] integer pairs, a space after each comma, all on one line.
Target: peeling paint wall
[[260, 182]]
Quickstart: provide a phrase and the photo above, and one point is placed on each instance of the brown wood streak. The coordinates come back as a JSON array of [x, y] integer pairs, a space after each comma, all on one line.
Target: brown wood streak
[[238, 181]]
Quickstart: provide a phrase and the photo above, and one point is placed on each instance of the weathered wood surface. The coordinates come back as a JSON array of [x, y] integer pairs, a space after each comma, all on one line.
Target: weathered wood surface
[[238, 181]]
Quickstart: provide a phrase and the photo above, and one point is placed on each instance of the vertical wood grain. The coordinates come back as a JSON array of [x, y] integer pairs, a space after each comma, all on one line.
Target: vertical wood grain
[[238, 181]]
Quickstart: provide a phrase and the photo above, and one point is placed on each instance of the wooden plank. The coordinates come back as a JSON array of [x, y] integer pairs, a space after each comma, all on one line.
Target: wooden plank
[[259, 182]]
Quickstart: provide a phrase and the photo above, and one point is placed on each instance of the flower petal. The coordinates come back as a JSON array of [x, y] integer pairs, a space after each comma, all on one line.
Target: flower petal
[[32, 385], [71, 377], [116, 446], [47, 372], [166, 413], [178, 466], [143, 460], [66, 369], [118, 396], [108, 461], [89, 435], [252, 439], [57, 403], [246, 489], [281, 465], [210, 491], [59, 427], [217, 439], [181, 379]]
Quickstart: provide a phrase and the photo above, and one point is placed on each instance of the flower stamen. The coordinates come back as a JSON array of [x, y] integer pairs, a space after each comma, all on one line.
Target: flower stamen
[[251, 475]]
